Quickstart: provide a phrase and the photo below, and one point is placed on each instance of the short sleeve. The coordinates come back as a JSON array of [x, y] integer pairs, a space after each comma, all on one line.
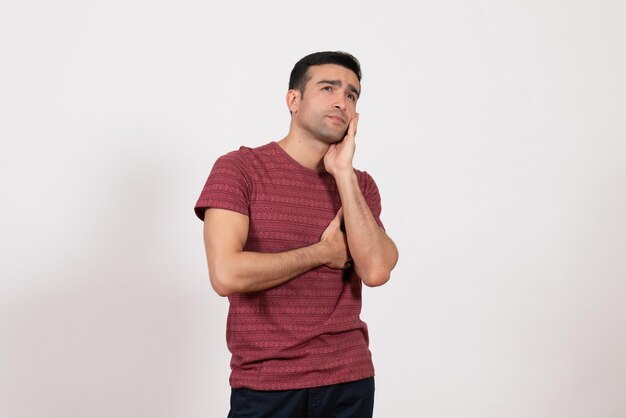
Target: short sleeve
[[371, 195], [226, 188]]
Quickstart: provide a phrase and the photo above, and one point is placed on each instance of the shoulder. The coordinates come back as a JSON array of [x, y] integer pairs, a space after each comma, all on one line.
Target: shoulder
[[245, 158], [363, 175], [245, 155], [366, 182]]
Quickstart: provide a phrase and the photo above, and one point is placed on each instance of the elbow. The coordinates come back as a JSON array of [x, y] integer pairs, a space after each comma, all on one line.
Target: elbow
[[220, 283], [220, 289], [376, 279], [377, 273], [374, 276], [377, 270]]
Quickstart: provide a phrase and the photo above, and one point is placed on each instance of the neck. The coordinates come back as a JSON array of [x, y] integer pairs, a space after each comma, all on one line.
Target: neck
[[306, 150]]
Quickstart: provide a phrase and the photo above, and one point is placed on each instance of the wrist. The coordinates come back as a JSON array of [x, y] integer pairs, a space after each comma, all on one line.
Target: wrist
[[345, 179], [344, 173], [321, 251]]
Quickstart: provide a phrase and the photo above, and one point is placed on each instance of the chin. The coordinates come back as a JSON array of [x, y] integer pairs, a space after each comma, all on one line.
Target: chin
[[331, 137], [330, 141]]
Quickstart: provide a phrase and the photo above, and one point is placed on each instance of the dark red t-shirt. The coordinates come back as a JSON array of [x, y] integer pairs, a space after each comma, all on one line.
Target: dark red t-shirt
[[306, 332]]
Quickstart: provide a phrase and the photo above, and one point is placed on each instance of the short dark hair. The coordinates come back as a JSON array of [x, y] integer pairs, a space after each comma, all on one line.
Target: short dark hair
[[299, 74]]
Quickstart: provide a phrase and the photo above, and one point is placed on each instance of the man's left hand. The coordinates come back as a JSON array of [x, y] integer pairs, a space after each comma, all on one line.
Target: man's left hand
[[339, 156]]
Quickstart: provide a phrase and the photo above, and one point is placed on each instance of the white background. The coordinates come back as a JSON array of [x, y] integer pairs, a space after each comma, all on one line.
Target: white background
[[495, 131]]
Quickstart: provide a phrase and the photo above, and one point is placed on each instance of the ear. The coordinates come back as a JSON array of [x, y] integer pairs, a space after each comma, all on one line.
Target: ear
[[293, 100]]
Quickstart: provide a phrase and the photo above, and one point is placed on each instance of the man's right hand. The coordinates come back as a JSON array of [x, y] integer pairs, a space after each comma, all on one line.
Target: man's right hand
[[336, 244]]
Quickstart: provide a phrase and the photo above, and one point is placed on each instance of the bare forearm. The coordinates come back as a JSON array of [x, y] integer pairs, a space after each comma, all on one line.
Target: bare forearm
[[233, 270], [373, 252], [248, 271]]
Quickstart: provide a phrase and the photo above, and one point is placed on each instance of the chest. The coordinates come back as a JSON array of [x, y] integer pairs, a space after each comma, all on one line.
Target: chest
[[289, 211]]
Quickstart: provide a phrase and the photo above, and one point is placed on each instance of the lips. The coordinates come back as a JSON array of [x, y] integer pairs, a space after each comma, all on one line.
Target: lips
[[337, 118]]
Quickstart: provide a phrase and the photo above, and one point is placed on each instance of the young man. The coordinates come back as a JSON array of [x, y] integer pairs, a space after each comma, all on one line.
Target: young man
[[291, 231]]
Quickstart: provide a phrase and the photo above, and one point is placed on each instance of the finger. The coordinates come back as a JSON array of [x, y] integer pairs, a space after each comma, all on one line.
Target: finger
[[338, 216], [336, 222], [353, 125]]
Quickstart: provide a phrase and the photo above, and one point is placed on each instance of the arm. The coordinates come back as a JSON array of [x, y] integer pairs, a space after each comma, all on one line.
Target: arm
[[373, 252], [233, 270]]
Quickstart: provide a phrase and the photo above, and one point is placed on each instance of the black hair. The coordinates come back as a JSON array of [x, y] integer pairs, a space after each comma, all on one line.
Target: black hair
[[299, 74]]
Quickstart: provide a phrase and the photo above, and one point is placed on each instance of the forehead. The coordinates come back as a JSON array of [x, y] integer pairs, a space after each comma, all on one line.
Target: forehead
[[333, 72]]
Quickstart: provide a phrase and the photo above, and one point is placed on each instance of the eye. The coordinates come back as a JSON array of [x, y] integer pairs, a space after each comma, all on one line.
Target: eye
[[351, 97], [327, 88]]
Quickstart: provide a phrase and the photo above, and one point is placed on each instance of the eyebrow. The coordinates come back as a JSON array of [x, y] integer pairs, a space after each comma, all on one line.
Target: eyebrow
[[338, 84]]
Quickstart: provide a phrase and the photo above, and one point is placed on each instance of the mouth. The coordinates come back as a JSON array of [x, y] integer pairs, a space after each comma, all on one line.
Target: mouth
[[337, 119]]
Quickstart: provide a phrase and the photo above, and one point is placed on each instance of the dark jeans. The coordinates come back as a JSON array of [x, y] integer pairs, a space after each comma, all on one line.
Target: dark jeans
[[343, 400]]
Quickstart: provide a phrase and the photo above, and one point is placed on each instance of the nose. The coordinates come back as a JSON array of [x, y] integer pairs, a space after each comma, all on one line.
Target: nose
[[340, 104]]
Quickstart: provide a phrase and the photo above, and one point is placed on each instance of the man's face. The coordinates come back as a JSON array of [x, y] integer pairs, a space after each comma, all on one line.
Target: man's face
[[328, 103]]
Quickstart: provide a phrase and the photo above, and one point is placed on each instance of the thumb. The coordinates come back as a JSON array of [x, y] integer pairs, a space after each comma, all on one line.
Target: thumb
[[339, 215]]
